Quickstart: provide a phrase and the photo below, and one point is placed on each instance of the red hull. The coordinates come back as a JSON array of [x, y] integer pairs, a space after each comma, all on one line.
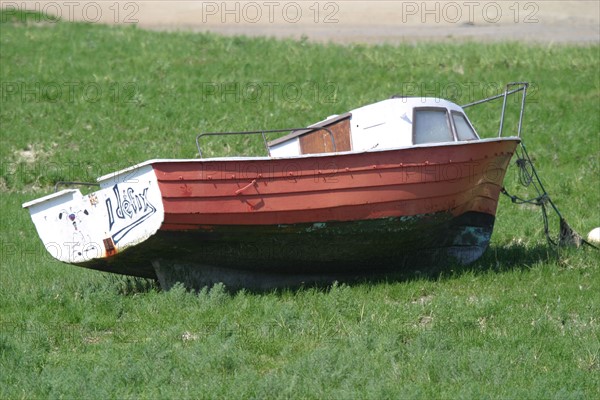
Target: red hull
[[459, 178]]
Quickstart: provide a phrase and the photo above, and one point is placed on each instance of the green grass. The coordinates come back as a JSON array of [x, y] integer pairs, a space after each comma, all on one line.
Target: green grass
[[523, 322]]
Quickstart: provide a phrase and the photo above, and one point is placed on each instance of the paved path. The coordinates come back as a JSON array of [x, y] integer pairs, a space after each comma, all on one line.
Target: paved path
[[345, 21]]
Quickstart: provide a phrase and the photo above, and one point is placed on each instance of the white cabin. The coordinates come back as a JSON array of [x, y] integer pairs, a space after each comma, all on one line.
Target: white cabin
[[393, 123]]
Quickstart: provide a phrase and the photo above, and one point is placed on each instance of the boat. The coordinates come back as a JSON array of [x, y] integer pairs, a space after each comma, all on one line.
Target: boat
[[404, 182]]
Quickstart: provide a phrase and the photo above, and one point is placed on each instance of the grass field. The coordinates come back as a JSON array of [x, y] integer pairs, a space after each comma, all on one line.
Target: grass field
[[81, 100]]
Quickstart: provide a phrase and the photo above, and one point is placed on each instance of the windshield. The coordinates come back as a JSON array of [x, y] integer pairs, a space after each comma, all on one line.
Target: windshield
[[464, 131], [431, 125]]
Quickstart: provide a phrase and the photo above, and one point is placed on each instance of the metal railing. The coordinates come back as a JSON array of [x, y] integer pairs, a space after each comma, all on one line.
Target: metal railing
[[262, 133], [521, 87]]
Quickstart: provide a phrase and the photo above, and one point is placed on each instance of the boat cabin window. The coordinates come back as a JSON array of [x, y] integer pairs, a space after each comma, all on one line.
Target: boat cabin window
[[431, 125], [464, 131]]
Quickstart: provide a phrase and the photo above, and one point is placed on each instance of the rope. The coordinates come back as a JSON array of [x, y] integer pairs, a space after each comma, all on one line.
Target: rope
[[540, 201], [525, 176], [528, 176]]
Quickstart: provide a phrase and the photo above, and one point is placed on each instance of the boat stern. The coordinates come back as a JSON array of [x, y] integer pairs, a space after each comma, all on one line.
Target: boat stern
[[78, 229]]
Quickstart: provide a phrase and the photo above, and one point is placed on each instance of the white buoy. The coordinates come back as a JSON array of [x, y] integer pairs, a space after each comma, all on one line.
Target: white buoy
[[594, 236]]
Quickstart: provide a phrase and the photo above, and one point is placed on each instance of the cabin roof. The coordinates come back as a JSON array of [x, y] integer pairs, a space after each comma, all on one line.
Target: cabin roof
[[401, 104], [406, 103]]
